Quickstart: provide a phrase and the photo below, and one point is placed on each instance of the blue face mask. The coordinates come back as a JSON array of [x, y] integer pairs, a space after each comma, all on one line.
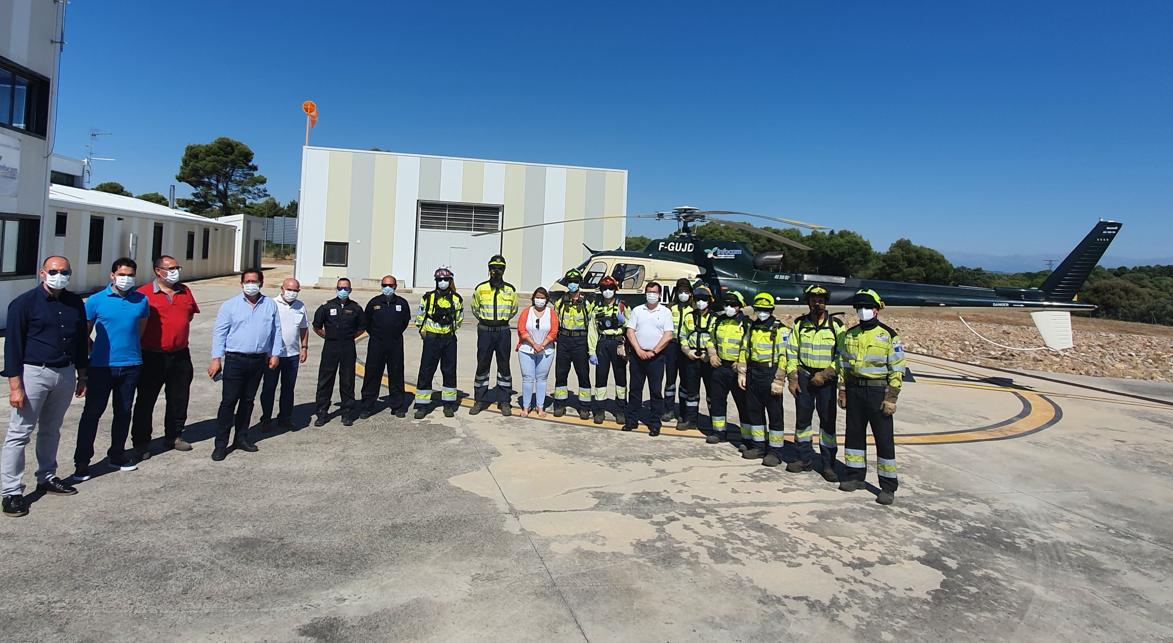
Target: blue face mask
[[388, 290], [343, 293], [572, 286]]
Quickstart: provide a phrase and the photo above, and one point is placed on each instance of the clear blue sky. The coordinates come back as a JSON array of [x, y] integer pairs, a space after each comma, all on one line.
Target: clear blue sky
[[989, 128]]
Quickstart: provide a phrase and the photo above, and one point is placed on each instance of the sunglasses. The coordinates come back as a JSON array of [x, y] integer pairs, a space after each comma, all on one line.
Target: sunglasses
[[64, 271], [388, 285]]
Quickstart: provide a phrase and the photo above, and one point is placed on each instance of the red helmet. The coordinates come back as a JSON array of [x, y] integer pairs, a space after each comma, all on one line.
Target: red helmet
[[608, 282], [442, 273]]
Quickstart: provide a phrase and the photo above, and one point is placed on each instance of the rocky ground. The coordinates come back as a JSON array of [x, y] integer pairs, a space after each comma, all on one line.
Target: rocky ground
[[1103, 348]]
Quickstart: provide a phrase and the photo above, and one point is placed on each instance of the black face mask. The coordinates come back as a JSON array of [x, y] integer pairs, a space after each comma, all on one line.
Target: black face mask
[[496, 275]]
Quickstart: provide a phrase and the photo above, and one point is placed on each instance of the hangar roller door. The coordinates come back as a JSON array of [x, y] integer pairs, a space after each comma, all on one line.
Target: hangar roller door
[[445, 236]]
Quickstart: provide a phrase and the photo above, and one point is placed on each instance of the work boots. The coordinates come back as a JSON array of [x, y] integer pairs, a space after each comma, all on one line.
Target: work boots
[[798, 466], [505, 409], [559, 409], [852, 485], [477, 407], [583, 413], [886, 497], [599, 416], [772, 460], [756, 452], [829, 474], [620, 417]]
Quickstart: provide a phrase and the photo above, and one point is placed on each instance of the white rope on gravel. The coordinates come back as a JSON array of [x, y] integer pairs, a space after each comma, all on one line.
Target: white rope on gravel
[[986, 339]]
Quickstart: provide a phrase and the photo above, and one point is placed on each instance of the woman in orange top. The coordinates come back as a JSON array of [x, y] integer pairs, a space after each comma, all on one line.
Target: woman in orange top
[[537, 327]]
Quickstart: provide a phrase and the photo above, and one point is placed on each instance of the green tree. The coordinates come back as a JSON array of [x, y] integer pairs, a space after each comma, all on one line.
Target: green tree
[[154, 197], [291, 208], [636, 242], [112, 187], [906, 261], [842, 253], [266, 208], [222, 175], [963, 276]]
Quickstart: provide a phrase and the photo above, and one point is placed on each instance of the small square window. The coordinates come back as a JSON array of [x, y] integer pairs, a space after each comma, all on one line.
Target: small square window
[[62, 224], [335, 253]]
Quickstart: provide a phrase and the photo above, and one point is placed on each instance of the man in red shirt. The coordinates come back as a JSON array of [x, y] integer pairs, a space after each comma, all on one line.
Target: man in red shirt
[[166, 358]]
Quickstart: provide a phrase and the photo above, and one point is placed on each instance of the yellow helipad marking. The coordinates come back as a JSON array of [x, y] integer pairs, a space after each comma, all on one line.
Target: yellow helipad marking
[[1039, 413]]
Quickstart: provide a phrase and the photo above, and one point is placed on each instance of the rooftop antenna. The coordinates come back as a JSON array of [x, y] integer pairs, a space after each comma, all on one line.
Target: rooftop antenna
[[88, 161]]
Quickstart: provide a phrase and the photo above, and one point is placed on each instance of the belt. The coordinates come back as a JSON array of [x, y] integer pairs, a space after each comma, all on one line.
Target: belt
[[728, 362], [429, 333], [245, 355], [492, 323], [610, 335], [859, 381], [61, 364], [811, 370], [754, 362], [492, 328], [159, 351], [571, 333]]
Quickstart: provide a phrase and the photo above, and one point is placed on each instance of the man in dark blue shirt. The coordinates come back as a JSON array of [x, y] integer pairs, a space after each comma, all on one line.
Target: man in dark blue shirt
[[388, 315], [45, 360]]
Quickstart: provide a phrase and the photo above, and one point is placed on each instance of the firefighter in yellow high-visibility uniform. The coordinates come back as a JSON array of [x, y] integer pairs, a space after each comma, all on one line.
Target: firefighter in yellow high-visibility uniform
[[574, 316], [812, 381], [761, 371], [870, 365], [694, 364], [726, 332], [494, 303], [440, 314], [607, 350]]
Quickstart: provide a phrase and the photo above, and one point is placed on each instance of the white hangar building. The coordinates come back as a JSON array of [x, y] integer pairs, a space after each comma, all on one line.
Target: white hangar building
[[365, 214]]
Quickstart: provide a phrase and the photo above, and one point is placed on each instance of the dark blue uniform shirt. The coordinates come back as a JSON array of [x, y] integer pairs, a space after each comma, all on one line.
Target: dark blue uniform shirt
[[45, 330], [388, 317]]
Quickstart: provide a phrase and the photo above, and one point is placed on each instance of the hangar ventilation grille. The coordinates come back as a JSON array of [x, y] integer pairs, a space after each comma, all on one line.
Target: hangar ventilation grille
[[461, 217]]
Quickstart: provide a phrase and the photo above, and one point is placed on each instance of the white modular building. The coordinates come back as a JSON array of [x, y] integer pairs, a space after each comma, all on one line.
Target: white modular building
[[250, 240], [30, 37], [364, 214], [92, 229]]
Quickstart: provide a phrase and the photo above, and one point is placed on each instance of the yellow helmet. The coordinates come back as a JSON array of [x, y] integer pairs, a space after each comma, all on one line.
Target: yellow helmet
[[867, 298], [763, 300], [814, 289]]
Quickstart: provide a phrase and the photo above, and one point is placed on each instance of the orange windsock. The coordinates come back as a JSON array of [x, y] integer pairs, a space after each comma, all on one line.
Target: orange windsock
[[311, 110]]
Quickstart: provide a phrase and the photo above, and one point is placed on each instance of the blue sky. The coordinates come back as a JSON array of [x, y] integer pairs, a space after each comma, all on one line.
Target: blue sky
[[984, 129]]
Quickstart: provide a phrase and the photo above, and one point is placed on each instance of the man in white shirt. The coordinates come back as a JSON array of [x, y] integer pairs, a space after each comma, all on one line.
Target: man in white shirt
[[649, 331], [294, 322]]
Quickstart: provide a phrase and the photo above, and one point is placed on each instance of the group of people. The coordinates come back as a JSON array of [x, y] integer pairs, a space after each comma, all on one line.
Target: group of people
[[139, 349]]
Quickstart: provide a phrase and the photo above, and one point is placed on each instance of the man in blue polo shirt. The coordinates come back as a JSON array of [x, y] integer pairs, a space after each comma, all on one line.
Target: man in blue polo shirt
[[119, 314]]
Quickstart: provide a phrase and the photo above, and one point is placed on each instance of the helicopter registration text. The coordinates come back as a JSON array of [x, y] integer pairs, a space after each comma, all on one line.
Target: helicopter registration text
[[675, 246]]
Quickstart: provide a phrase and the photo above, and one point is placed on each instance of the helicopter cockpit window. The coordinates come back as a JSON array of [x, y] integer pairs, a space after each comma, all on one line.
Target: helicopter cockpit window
[[629, 275], [595, 274]]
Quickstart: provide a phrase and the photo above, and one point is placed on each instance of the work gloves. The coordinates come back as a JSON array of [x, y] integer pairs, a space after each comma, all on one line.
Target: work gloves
[[888, 406], [778, 386], [823, 376], [714, 359], [792, 383], [842, 398], [594, 360], [740, 368]]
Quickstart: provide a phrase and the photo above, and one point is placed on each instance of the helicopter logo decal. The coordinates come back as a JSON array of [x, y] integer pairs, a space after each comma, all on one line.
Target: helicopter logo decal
[[722, 253]]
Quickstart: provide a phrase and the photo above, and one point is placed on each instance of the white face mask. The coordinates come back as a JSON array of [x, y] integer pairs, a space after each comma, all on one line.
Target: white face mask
[[608, 293], [124, 282], [172, 276], [57, 282], [289, 295], [730, 311], [865, 314], [251, 289], [652, 297], [763, 315], [442, 284], [539, 303], [682, 297], [701, 304]]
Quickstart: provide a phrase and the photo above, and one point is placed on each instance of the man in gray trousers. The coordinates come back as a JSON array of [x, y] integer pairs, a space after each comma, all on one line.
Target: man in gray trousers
[[46, 354]]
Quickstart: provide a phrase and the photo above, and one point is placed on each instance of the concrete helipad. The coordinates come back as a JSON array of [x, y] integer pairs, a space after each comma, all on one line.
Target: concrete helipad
[[1029, 509]]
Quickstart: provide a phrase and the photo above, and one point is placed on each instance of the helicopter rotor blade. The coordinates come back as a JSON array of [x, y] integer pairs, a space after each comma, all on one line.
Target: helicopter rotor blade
[[538, 225], [800, 224], [769, 235]]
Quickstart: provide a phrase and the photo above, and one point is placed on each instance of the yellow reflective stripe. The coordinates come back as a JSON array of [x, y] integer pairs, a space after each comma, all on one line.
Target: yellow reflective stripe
[[804, 435], [718, 422], [827, 439]]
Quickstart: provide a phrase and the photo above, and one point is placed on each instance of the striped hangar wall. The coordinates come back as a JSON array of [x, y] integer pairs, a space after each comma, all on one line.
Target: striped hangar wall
[[370, 201]]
